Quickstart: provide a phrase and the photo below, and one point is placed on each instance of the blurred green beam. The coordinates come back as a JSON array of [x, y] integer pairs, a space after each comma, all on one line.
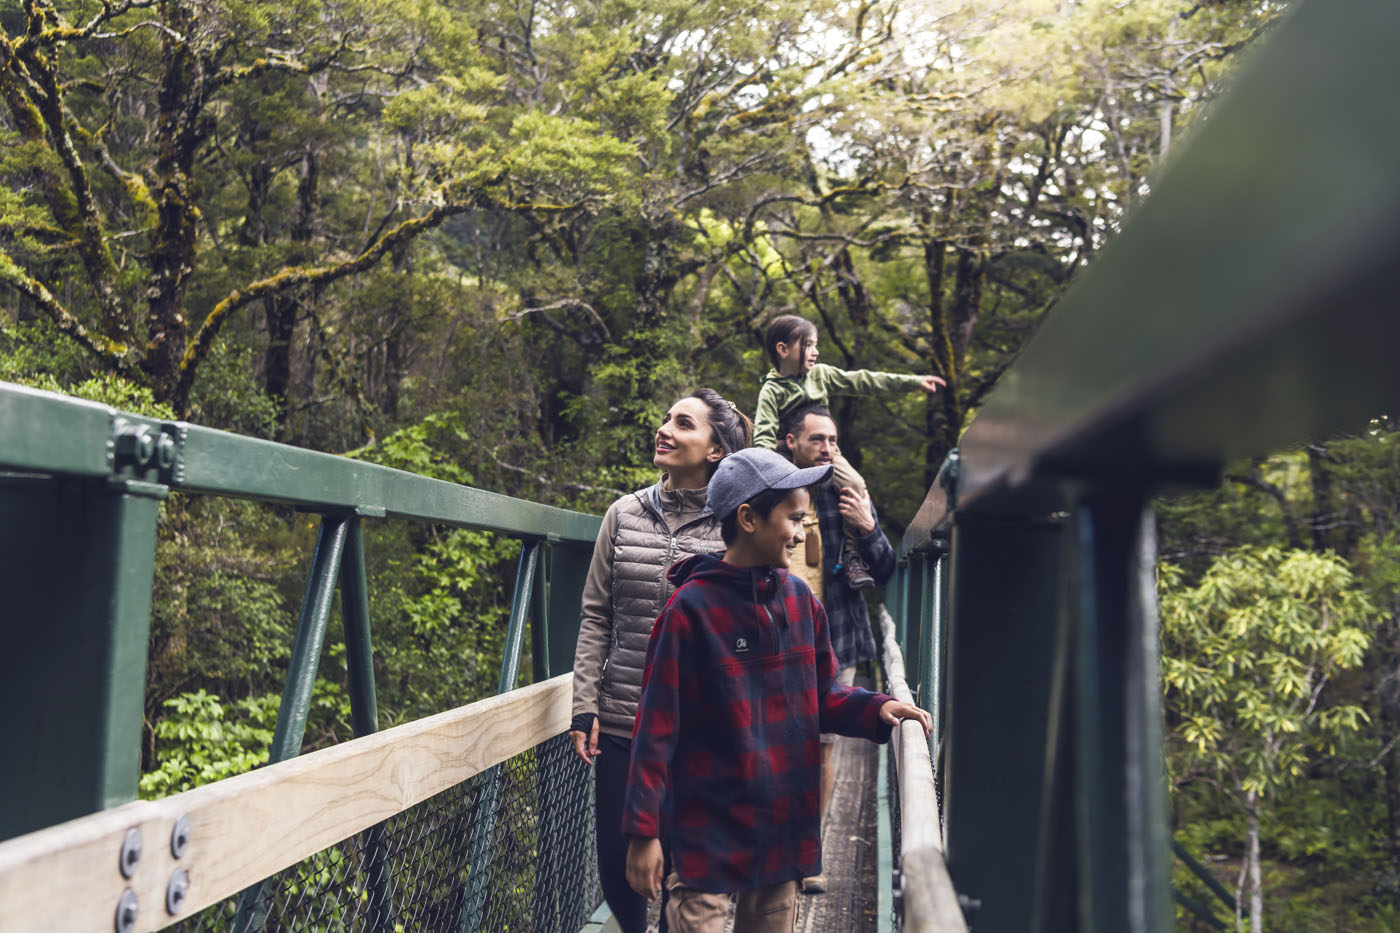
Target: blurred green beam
[[1249, 302]]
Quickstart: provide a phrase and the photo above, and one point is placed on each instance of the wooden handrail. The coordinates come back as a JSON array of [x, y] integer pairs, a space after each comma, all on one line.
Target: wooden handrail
[[930, 902], [246, 828]]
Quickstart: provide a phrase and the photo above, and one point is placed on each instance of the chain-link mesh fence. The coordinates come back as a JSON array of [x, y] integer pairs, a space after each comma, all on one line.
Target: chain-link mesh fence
[[892, 790], [511, 849]]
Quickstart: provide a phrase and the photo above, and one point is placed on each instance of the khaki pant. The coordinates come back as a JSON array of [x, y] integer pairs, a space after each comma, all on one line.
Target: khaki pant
[[770, 909], [844, 475]]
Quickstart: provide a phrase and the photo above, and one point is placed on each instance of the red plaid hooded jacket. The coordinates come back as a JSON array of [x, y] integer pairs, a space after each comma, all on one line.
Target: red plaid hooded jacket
[[726, 761]]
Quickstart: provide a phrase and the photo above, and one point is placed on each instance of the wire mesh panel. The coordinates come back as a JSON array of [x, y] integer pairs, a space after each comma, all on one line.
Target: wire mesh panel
[[511, 849], [892, 774]]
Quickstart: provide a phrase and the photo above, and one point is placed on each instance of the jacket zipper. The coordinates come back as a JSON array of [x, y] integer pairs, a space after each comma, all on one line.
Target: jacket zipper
[[772, 627], [670, 543], [670, 559]]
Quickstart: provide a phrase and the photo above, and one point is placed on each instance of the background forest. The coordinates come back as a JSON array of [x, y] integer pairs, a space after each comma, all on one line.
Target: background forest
[[491, 240]]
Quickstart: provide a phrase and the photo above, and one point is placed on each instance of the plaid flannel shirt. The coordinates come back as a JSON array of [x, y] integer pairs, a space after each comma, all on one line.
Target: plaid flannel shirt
[[851, 637], [726, 760]]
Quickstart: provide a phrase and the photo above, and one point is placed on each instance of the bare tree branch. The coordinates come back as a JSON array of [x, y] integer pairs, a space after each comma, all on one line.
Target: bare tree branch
[[570, 303], [1255, 480], [114, 355], [294, 277], [546, 481]]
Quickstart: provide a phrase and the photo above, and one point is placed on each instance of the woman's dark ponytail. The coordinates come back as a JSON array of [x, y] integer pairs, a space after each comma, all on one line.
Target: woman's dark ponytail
[[732, 429]]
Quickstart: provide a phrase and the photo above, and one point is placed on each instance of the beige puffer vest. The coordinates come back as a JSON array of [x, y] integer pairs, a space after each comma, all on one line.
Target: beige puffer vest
[[643, 550]]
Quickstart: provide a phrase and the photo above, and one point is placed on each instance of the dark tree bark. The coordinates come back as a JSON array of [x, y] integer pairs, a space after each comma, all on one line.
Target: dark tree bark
[[182, 127], [282, 311], [942, 414]]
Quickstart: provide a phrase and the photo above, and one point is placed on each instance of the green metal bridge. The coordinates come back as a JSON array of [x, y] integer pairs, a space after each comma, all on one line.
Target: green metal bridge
[[1249, 304]]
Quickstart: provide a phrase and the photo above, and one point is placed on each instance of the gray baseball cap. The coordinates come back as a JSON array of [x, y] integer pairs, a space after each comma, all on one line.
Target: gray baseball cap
[[743, 475]]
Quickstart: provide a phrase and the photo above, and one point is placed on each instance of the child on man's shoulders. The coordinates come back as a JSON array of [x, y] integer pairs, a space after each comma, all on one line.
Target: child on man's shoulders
[[797, 379]]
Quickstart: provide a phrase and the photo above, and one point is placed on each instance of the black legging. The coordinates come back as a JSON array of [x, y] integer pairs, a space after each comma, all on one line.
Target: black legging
[[610, 785]]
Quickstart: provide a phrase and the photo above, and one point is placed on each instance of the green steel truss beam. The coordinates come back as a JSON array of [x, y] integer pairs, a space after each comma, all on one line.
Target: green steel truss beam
[[42, 432]]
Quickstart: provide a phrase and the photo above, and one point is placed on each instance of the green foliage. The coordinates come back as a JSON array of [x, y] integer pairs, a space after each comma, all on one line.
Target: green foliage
[[439, 617], [28, 357], [108, 389], [201, 739], [226, 573], [412, 448], [228, 395], [1248, 653]]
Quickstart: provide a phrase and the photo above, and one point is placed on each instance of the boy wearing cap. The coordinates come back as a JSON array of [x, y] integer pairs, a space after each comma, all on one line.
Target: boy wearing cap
[[740, 682]]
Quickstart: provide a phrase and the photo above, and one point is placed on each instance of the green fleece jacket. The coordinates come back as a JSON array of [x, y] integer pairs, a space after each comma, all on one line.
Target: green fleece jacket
[[779, 395]]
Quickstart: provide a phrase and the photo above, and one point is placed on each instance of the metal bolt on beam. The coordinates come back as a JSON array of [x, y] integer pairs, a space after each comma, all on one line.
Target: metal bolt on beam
[[127, 909], [131, 853], [949, 475], [176, 890], [136, 443], [180, 837], [165, 451]]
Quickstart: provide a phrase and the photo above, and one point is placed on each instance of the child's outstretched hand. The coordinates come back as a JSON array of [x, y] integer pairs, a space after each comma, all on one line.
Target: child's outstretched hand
[[644, 866], [895, 710], [931, 384]]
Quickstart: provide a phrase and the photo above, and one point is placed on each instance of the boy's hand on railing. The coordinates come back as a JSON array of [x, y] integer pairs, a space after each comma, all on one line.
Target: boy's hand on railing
[[932, 384], [590, 751], [895, 710], [644, 866]]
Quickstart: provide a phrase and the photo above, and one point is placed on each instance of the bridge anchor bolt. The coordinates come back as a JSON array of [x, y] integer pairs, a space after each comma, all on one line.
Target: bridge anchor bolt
[[180, 836], [127, 908], [175, 892], [131, 853]]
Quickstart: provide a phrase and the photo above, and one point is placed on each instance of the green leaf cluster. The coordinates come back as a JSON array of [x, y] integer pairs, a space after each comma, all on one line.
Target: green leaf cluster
[[201, 739], [1248, 653]]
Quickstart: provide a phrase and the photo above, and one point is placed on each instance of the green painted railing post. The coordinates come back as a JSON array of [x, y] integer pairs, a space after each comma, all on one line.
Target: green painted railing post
[[931, 645], [364, 711], [997, 688], [915, 625], [77, 565], [928, 677], [539, 617], [519, 614], [1054, 891], [487, 803], [884, 843], [1120, 800], [568, 569], [301, 679], [901, 605], [359, 651]]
